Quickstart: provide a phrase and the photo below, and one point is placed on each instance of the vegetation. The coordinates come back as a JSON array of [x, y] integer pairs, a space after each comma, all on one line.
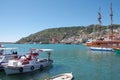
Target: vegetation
[[46, 36]]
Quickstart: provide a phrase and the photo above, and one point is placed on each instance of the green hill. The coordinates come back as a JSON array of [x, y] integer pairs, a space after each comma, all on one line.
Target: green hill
[[62, 33]]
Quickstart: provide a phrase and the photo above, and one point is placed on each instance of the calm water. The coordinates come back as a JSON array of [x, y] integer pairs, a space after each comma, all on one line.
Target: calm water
[[78, 59]]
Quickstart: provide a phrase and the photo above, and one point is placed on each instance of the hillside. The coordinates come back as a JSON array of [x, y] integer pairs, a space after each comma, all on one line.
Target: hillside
[[72, 34]]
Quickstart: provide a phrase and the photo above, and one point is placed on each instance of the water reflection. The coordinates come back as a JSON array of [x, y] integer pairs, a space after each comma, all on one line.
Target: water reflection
[[106, 64]]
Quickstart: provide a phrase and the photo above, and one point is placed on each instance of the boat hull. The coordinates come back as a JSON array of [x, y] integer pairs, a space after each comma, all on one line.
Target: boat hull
[[29, 68], [100, 49], [15, 70]]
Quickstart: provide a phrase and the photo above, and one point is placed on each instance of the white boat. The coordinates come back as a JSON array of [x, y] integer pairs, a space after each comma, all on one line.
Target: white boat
[[101, 49], [64, 76], [7, 54], [28, 62]]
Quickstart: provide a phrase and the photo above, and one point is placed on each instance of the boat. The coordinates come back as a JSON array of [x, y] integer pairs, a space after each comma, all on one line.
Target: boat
[[64, 76], [104, 45], [28, 62], [7, 54]]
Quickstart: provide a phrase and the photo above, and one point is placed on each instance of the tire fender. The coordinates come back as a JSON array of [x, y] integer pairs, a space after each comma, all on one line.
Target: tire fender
[[21, 69], [32, 68], [41, 67]]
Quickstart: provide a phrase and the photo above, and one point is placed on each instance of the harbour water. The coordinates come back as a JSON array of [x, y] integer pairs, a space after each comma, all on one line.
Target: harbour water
[[78, 59]]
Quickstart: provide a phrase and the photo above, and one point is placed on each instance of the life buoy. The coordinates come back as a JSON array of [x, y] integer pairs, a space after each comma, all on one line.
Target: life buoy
[[21, 69], [32, 67]]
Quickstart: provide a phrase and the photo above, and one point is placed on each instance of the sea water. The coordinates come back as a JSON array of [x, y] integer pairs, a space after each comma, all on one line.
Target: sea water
[[78, 59]]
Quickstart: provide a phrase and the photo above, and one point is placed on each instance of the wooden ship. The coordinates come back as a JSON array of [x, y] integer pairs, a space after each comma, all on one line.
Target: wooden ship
[[105, 44]]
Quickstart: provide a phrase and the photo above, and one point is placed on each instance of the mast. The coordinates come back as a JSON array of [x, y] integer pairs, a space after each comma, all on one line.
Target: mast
[[99, 20], [111, 19], [99, 17]]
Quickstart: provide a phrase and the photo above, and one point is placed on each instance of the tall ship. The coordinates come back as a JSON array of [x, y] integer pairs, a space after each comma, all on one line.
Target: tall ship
[[104, 43]]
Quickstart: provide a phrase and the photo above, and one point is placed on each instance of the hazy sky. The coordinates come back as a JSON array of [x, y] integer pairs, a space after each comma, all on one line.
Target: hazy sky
[[20, 18]]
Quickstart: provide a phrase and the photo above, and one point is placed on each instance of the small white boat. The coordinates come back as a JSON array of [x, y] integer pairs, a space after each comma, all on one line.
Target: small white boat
[[101, 49], [28, 62], [7, 54], [64, 76]]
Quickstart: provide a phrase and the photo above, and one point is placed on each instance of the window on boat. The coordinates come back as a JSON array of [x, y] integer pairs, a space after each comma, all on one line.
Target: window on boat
[[1, 52], [1, 57]]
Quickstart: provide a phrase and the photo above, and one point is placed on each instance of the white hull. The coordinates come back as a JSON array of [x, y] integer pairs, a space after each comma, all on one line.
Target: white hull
[[101, 49], [27, 68], [64, 76], [15, 70]]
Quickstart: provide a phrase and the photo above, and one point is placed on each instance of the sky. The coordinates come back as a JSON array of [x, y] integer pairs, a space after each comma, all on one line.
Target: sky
[[20, 18]]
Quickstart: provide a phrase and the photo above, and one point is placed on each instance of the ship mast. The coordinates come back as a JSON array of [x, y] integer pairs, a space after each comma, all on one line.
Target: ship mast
[[99, 17], [99, 20], [111, 19]]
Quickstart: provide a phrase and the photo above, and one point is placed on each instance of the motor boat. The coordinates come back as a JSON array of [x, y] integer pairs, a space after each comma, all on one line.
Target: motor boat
[[28, 62]]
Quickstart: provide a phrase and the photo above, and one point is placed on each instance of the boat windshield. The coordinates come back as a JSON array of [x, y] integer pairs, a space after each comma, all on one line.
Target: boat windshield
[[8, 50]]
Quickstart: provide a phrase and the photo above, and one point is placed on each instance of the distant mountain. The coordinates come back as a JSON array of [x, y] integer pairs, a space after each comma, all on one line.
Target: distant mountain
[[62, 34]]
